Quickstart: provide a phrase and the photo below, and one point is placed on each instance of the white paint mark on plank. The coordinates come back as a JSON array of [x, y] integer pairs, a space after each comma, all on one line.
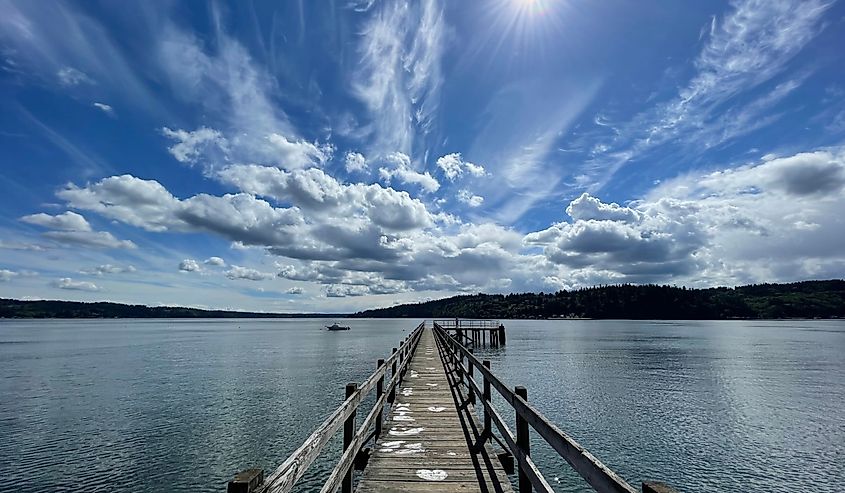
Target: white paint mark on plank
[[432, 474]]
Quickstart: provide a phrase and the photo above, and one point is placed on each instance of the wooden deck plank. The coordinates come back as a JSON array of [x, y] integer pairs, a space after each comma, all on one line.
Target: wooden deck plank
[[425, 446]]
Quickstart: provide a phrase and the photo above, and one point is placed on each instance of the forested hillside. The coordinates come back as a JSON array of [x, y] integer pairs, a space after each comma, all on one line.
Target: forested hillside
[[74, 309], [809, 299]]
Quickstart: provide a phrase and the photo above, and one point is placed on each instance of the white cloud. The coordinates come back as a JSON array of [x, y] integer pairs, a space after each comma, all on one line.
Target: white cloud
[[189, 265], [587, 207], [215, 261], [295, 290], [776, 219], [191, 145], [468, 198], [323, 197], [747, 48], [400, 76], [107, 109], [69, 76], [355, 161], [402, 172], [453, 166], [7, 275], [21, 246], [67, 221], [101, 270], [68, 283], [239, 94], [74, 229], [238, 272], [299, 154]]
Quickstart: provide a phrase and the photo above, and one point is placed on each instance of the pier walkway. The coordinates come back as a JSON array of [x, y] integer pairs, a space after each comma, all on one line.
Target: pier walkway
[[434, 438], [429, 444]]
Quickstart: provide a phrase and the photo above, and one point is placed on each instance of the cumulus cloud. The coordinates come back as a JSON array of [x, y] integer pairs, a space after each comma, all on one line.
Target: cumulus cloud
[[295, 290], [189, 265], [68, 221], [355, 161], [469, 199], [587, 207], [319, 194], [453, 166], [238, 272], [340, 291], [401, 171], [7, 275], [104, 269], [775, 219], [215, 261], [297, 154], [68, 283], [190, 145], [72, 228]]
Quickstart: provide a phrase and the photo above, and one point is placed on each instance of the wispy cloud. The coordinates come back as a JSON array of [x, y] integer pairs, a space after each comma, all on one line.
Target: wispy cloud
[[105, 108], [748, 47], [400, 76]]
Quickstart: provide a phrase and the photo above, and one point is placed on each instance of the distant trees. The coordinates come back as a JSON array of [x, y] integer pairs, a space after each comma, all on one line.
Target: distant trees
[[74, 309], [808, 299]]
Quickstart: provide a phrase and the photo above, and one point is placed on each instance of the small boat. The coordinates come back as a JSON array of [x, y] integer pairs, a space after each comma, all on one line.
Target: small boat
[[335, 326]]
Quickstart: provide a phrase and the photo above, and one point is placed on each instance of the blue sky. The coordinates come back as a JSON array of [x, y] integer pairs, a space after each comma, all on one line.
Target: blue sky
[[335, 156]]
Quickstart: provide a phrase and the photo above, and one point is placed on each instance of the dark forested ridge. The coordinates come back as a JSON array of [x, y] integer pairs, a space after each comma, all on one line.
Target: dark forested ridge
[[74, 309], [808, 299]]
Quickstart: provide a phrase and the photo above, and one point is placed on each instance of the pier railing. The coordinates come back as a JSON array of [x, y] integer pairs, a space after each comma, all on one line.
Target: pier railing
[[284, 478], [600, 477]]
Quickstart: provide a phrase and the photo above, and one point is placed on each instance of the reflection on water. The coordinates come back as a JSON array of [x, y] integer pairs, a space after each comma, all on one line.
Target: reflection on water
[[181, 405]]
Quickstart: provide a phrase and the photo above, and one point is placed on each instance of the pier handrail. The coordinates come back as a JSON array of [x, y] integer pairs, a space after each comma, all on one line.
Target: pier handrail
[[597, 475], [466, 323], [283, 479]]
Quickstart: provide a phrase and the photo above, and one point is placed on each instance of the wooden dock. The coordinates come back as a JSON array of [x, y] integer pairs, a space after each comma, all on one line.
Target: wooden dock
[[441, 428], [430, 445]]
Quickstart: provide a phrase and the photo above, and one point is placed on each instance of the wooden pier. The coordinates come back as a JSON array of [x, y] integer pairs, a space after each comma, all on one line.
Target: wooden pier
[[442, 432]]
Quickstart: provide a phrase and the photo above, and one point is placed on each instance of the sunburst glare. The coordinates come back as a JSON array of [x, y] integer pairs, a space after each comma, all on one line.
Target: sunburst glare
[[523, 25]]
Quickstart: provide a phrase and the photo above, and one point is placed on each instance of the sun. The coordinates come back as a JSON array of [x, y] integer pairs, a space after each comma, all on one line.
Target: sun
[[525, 26], [532, 7]]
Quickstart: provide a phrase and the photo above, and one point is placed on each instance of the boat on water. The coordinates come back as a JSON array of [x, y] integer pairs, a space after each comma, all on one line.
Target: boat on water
[[335, 326]]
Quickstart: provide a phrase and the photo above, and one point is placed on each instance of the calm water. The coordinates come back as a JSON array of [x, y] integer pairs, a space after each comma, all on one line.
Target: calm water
[[181, 405]]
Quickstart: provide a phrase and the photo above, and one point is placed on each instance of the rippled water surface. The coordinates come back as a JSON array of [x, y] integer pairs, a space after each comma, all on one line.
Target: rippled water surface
[[164, 405]]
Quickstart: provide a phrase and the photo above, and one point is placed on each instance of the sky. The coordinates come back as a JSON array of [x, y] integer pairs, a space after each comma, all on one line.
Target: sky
[[332, 156]]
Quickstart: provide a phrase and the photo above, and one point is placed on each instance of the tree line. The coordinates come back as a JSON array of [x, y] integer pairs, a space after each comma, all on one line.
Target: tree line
[[807, 299]]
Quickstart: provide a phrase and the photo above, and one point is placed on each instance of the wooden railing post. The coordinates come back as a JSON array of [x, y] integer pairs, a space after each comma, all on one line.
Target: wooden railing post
[[348, 435], [391, 397], [379, 393], [470, 373], [522, 441], [487, 420]]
